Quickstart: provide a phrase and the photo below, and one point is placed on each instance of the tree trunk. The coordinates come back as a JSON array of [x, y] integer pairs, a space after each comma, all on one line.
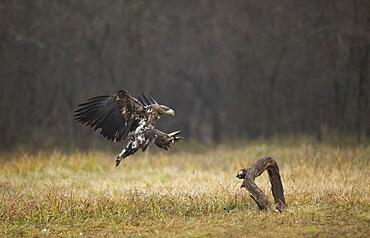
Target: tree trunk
[[257, 195]]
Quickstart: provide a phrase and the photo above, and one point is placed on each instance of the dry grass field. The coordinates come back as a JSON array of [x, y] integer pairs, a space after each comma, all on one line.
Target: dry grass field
[[185, 193]]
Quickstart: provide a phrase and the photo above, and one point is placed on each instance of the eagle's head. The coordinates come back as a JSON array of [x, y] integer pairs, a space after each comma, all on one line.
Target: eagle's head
[[163, 110]]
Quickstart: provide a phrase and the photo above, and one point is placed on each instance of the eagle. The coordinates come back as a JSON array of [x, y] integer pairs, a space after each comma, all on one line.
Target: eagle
[[121, 117]]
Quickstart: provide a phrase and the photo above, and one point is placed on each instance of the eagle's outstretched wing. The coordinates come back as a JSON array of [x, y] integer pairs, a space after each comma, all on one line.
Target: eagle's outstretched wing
[[116, 115]]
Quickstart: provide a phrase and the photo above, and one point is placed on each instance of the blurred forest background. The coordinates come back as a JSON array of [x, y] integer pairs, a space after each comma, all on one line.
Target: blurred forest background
[[231, 69]]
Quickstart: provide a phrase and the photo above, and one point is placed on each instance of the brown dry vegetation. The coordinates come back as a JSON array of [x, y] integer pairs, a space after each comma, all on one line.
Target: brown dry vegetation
[[187, 194]]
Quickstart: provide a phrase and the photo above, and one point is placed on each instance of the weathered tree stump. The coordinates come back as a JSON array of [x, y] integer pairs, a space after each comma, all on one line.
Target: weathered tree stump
[[257, 195]]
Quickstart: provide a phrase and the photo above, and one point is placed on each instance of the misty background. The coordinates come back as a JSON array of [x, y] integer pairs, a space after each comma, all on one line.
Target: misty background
[[230, 69]]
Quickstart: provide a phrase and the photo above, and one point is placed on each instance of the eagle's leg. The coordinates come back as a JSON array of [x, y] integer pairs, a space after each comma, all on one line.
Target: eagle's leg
[[120, 156], [174, 136], [130, 149], [146, 144], [164, 140]]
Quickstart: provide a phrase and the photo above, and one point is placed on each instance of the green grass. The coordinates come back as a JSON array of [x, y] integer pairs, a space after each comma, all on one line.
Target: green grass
[[185, 194]]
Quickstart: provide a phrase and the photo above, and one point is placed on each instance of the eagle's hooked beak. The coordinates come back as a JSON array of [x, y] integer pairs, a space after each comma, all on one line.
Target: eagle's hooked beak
[[170, 112], [164, 110]]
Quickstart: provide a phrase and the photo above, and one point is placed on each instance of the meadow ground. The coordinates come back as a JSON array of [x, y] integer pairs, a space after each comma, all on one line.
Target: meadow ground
[[185, 193]]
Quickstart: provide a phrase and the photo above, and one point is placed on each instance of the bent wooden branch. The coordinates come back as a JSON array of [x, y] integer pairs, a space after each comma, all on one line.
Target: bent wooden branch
[[249, 174]]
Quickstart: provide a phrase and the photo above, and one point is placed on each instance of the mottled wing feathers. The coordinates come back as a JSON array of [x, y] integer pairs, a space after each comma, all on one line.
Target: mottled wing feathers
[[116, 115], [131, 107]]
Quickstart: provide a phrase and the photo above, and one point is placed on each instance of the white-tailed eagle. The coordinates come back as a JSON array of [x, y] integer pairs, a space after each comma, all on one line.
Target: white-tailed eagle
[[121, 116]]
